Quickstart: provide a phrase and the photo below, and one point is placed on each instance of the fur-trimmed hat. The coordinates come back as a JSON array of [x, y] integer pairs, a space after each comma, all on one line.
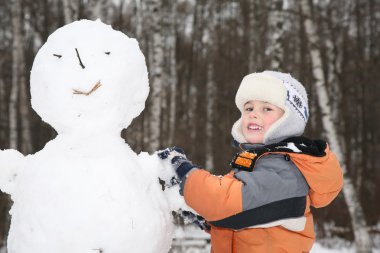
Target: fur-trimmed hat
[[279, 89]]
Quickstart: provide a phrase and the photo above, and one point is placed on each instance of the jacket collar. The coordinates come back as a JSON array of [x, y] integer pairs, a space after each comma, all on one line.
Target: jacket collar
[[297, 144]]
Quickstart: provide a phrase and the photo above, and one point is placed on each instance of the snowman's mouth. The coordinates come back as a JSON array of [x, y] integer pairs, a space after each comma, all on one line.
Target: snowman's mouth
[[96, 86]]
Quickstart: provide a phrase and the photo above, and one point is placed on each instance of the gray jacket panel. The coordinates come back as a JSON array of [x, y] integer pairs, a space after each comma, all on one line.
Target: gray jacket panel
[[273, 178]]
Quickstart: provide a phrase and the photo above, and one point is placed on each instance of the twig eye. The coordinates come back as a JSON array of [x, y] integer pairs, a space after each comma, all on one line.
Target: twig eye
[[57, 55], [107, 53]]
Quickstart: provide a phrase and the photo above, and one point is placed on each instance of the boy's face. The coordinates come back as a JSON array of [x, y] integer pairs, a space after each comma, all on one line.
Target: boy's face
[[257, 118]]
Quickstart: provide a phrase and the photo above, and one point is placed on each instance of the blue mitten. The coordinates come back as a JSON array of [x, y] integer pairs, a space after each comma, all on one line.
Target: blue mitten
[[190, 217], [165, 153], [181, 166], [178, 161]]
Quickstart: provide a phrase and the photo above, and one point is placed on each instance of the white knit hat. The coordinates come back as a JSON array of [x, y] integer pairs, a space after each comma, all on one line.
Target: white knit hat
[[279, 89]]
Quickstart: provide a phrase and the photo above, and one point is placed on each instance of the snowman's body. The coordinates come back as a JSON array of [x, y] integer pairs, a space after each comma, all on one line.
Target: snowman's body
[[55, 210], [86, 191]]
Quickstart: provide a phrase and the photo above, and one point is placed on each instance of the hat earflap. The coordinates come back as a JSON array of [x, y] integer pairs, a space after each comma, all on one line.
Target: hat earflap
[[237, 132], [290, 124]]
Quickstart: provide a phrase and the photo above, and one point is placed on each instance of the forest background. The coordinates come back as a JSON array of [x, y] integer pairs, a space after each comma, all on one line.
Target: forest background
[[197, 52]]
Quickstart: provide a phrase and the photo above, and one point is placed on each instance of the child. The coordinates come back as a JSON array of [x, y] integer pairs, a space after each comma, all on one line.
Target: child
[[263, 204]]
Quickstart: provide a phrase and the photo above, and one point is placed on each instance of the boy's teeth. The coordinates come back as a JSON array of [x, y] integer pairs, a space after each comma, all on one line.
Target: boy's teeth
[[255, 127]]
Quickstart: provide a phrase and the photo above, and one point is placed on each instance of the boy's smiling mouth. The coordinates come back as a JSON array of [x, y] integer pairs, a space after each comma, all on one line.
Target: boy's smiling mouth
[[253, 126]]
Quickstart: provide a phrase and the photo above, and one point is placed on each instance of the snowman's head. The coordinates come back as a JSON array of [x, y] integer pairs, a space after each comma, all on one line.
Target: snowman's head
[[88, 76]]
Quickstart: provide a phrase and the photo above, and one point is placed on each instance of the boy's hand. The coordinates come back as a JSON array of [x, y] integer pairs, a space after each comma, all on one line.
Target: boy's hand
[[178, 160], [170, 153], [198, 220]]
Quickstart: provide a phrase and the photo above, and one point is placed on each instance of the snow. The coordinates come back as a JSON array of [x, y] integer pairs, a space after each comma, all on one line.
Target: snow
[[109, 57], [86, 190], [14, 160], [190, 239], [290, 146], [318, 248]]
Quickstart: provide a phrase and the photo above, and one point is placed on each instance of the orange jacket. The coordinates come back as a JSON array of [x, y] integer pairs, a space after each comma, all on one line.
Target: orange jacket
[[218, 197]]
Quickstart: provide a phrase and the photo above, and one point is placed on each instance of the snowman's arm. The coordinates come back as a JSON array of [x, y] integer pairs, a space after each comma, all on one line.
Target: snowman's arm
[[156, 166], [163, 169], [11, 163]]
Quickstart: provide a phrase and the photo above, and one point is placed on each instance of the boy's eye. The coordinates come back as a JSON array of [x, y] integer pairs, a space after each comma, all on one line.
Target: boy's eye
[[248, 109], [267, 109]]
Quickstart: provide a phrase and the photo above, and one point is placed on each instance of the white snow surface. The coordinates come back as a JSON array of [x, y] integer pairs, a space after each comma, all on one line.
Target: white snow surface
[[13, 160], [190, 239], [86, 191], [108, 57]]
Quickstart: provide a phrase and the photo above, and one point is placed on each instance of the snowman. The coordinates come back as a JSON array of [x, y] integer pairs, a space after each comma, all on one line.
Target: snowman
[[86, 191]]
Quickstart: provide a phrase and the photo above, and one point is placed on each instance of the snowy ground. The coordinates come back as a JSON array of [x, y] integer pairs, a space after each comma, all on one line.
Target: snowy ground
[[194, 240]]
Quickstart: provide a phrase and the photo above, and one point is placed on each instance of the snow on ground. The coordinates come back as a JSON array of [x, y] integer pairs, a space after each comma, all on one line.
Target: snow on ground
[[190, 239], [318, 248]]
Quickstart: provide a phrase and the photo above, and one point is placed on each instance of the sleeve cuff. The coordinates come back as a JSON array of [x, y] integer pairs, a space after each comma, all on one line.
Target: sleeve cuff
[[184, 168]]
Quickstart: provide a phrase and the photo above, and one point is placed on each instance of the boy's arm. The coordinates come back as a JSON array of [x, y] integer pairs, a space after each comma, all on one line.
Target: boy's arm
[[223, 193], [275, 190], [213, 197], [244, 199]]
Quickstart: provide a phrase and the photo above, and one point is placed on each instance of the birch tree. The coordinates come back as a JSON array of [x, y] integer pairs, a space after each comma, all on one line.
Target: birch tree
[[138, 18], [156, 70], [19, 80], [4, 198], [14, 97], [173, 72], [193, 97], [276, 21], [3, 113], [208, 55], [252, 38], [362, 238], [70, 11], [24, 105], [16, 62], [101, 9]]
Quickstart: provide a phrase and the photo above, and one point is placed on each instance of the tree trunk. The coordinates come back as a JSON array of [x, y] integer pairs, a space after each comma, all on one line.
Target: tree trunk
[[138, 18], [208, 56], [5, 204], [173, 73], [210, 115], [16, 62], [67, 11], [362, 238], [17, 51], [101, 9], [4, 198], [72, 10], [193, 95], [18, 79], [252, 38], [156, 70], [3, 113], [276, 20], [26, 136]]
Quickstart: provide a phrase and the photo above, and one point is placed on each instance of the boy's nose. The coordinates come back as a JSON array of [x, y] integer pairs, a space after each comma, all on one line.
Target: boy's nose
[[253, 115]]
